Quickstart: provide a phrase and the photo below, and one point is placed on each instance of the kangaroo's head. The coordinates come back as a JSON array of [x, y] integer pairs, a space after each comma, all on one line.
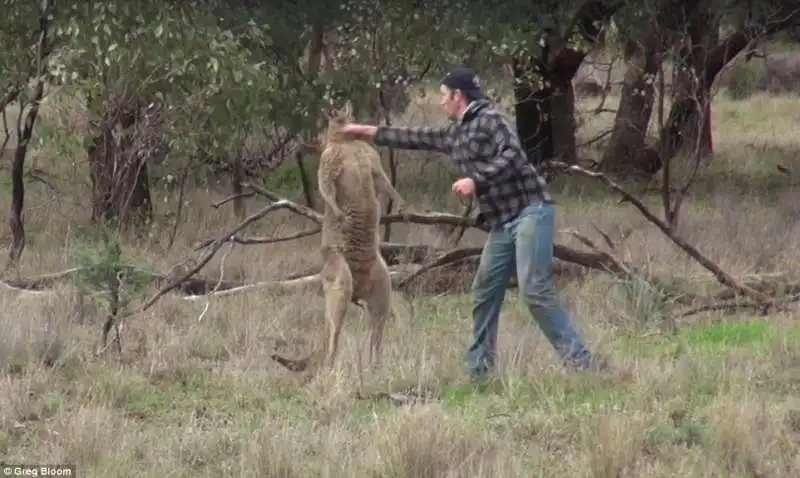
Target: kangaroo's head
[[338, 117]]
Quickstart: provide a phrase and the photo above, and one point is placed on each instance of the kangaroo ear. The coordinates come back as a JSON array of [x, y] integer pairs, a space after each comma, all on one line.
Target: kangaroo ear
[[347, 111]]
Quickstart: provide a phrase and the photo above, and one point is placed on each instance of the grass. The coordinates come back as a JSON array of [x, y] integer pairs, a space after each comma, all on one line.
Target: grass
[[202, 398]]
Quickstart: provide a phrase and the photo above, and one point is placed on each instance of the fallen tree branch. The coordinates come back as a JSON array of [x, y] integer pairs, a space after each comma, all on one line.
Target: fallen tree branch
[[219, 281], [426, 218], [176, 282], [216, 246], [41, 284], [596, 259], [293, 284], [218, 204], [591, 260], [250, 241], [299, 209], [196, 287], [605, 255], [733, 305], [394, 253], [721, 306], [722, 276], [23, 290], [45, 281], [116, 320], [444, 259]]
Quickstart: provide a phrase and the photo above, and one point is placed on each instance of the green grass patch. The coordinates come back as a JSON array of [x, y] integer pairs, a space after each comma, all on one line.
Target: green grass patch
[[576, 392], [573, 392], [757, 336]]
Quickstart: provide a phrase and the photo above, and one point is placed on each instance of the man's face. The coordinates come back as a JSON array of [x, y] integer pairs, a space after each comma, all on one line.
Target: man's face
[[452, 102]]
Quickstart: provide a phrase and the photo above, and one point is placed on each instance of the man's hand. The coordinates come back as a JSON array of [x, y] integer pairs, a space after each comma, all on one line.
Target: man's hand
[[359, 131], [464, 187]]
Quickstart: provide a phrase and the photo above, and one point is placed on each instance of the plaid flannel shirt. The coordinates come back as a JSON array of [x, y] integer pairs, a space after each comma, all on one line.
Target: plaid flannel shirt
[[486, 148]]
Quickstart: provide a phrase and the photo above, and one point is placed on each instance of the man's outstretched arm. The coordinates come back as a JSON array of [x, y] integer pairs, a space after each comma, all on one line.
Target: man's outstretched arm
[[428, 139]]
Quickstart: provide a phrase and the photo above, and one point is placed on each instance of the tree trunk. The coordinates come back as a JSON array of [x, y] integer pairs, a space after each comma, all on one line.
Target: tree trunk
[[545, 119], [546, 116], [706, 62], [689, 122], [627, 141], [120, 186], [562, 108], [532, 112], [15, 213]]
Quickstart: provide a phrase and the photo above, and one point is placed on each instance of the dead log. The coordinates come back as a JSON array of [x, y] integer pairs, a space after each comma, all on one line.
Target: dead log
[[307, 282], [591, 260], [394, 253], [195, 285], [191, 286], [42, 282]]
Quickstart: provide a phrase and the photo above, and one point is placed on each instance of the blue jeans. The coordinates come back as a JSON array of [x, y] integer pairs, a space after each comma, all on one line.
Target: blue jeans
[[523, 245]]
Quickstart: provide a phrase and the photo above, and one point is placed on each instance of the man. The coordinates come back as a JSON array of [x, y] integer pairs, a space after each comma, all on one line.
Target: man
[[513, 203]]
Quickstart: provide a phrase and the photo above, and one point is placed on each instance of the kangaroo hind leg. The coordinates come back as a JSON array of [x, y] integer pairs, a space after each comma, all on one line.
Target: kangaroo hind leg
[[379, 309], [337, 286]]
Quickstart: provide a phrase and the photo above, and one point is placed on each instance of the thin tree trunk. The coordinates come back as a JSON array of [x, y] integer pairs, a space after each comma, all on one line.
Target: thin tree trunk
[[627, 140]]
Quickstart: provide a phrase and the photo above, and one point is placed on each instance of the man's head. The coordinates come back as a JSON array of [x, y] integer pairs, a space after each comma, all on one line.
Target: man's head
[[460, 87]]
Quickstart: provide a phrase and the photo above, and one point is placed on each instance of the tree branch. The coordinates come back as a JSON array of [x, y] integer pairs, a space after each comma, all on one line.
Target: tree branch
[[722, 276], [587, 259], [216, 246]]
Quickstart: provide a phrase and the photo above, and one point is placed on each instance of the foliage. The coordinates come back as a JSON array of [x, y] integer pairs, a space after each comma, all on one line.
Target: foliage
[[224, 71], [104, 270], [18, 26], [397, 50], [125, 55], [526, 32]]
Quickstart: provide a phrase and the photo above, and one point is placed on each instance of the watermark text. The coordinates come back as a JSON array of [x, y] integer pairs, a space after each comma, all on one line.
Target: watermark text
[[38, 470]]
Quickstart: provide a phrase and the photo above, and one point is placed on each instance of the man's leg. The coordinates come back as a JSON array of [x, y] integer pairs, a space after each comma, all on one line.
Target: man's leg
[[533, 233], [489, 287]]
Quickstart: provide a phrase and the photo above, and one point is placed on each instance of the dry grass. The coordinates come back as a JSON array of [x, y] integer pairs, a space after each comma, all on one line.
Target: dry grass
[[196, 398]]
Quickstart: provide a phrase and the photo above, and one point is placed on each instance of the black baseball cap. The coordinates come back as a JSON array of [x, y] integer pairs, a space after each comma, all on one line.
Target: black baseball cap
[[465, 80]]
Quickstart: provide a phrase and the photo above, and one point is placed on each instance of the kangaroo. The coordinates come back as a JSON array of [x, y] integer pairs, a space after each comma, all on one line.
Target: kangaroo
[[350, 177]]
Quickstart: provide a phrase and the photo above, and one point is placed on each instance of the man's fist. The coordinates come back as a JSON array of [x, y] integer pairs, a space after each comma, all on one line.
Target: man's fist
[[464, 187], [359, 131]]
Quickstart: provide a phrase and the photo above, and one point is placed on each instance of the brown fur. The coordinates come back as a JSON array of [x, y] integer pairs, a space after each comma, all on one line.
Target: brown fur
[[350, 176]]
